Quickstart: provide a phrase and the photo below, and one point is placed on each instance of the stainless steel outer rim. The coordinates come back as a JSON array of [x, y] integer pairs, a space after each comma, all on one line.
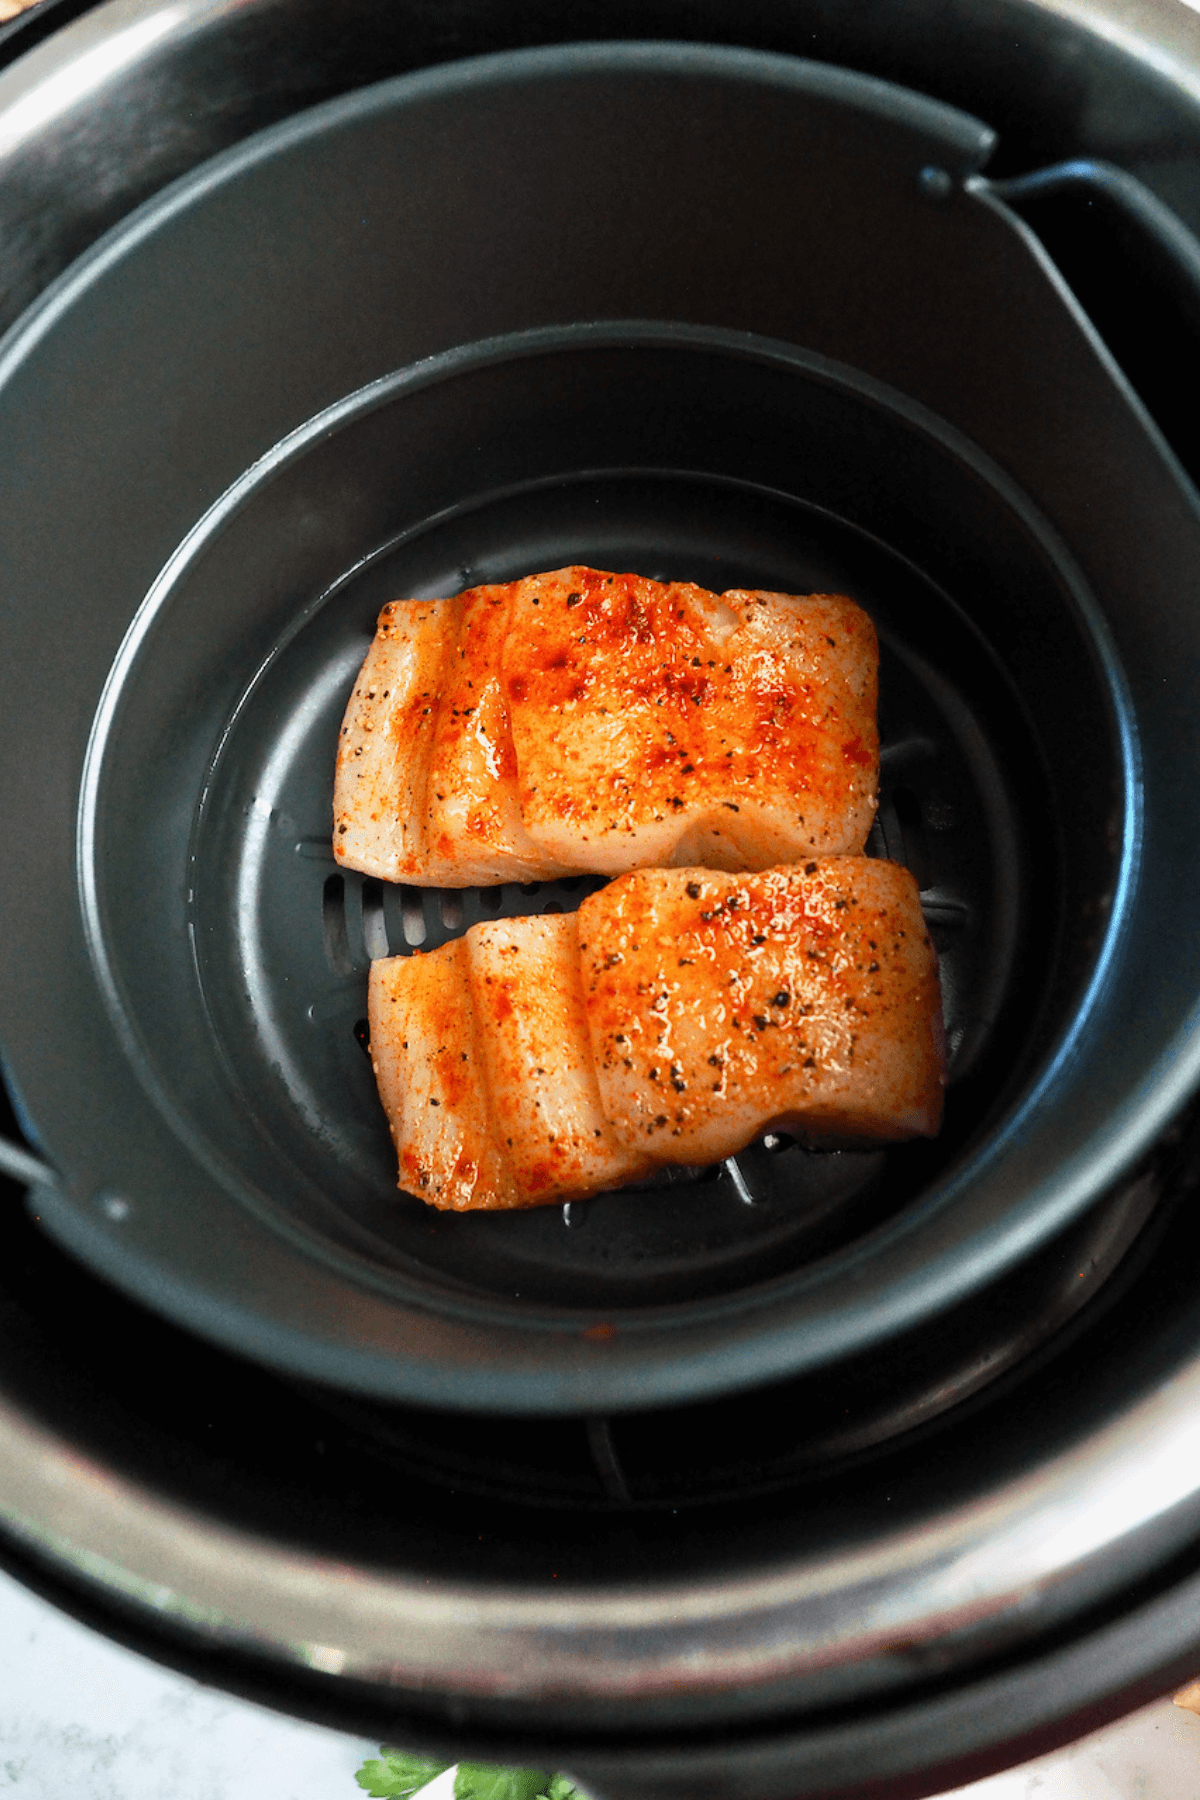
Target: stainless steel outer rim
[[1043, 1544], [102, 47], [1019, 1556]]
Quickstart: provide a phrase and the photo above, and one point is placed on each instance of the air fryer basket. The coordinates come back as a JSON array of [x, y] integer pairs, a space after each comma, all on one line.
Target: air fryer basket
[[349, 360], [301, 945]]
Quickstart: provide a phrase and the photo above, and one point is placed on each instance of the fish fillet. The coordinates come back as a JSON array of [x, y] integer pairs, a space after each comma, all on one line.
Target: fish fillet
[[580, 722], [674, 1018]]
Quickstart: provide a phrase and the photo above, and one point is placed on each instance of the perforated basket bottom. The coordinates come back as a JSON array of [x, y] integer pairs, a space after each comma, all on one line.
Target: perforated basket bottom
[[284, 938]]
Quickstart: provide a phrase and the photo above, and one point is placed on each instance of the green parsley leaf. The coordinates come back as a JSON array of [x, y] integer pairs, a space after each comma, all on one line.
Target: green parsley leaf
[[489, 1781], [561, 1789], [398, 1775]]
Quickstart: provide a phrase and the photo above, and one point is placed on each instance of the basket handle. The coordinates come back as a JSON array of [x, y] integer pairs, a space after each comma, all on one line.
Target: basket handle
[[1168, 252], [1134, 267], [21, 1165]]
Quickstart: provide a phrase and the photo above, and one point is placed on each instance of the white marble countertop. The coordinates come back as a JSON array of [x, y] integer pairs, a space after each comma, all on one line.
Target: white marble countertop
[[81, 1716]]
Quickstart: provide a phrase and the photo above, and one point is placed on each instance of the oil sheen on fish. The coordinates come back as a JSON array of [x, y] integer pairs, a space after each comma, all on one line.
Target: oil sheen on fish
[[659, 725], [803, 998], [674, 1018]]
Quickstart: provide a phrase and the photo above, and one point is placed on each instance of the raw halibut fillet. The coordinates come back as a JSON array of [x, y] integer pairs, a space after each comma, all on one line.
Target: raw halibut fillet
[[675, 1017], [580, 721], [660, 725], [803, 998], [484, 1066], [425, 789]]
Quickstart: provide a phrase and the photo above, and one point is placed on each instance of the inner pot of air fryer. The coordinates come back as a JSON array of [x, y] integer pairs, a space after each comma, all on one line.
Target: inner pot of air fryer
[[701, 314]]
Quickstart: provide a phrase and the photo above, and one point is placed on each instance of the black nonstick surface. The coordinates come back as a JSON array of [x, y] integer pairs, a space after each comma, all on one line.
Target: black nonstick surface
[[239, 504]]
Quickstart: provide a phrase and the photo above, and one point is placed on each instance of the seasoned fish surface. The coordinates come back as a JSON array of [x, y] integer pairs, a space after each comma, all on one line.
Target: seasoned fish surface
[[432, 1080], [674, 1018], [656, 724], [474, 830], [541, 1079], [585, 722], [425, 789], [484, 1065], [802, 998]]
